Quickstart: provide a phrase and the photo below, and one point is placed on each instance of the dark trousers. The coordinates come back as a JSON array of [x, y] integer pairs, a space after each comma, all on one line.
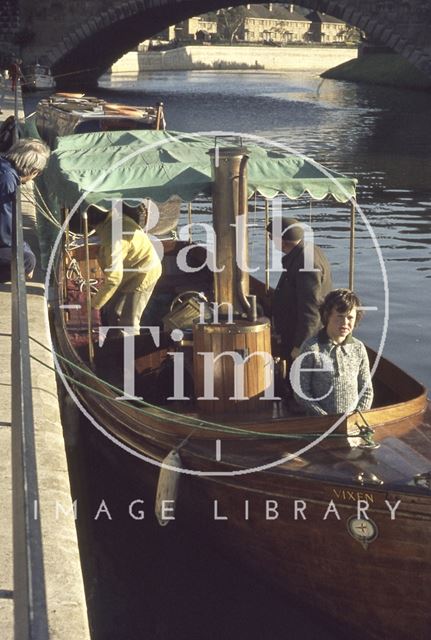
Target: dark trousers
[[6, 259], [126, 308]]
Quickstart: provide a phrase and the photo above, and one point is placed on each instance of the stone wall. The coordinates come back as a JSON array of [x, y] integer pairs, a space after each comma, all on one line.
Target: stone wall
[[9, 26], [129, 63], [299, 58]]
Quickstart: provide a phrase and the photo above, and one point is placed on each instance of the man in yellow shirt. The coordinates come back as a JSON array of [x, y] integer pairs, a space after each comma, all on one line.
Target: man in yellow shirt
[[131, 267]]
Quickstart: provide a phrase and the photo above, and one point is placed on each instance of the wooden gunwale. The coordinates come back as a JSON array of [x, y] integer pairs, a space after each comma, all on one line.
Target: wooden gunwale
[[124, 424], [394, 419], [399, 556], [136, 429]]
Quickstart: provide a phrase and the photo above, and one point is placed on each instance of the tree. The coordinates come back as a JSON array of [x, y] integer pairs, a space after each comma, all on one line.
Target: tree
[[350, 34], [230, 21], [280, 29]]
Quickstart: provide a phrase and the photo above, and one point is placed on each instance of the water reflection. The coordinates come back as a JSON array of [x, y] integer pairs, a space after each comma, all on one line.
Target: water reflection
[[380, 135]]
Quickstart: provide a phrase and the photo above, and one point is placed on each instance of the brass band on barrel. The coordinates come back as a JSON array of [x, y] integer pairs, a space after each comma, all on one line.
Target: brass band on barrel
[[234, 328]]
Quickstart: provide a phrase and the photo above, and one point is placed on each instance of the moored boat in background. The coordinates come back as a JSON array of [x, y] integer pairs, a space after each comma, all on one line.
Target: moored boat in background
[[63, 114], [37, 77]]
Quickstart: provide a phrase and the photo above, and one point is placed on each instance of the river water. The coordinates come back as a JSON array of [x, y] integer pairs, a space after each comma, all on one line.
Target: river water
[[382, 136], [146, 582]]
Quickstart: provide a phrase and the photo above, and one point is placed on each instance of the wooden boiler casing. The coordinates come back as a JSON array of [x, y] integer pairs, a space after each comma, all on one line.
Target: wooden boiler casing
[[245, 338]]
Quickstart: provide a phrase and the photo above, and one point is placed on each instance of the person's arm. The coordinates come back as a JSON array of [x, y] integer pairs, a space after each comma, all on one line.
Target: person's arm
[[364, 380], [8, 185], [312, 407], [107, 259]]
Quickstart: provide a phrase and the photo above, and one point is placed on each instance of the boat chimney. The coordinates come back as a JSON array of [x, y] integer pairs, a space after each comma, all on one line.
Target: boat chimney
[[232, 354], [230, 213]]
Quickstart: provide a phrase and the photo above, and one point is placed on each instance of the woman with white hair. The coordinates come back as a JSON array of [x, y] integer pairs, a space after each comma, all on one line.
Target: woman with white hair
[[25, 160]]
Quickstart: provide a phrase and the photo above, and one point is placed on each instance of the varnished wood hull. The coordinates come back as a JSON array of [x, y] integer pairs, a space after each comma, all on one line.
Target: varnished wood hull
[[377, 587], [376, 592]]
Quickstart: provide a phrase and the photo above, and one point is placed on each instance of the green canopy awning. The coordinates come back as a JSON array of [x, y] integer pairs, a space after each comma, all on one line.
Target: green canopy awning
[[161, 164]]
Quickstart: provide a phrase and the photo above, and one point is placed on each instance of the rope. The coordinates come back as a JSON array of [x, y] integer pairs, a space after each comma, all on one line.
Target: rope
[[38, 206], [78, 71], [74, 269], [73, 73], [183, 442], [46, 206], [81, 384], [173, 416]]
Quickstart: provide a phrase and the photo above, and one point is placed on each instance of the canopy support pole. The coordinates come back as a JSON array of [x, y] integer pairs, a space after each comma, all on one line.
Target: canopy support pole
[[159, 116], [88, 289], [189, 210], [352, 243], [64, 214], [266, 246]]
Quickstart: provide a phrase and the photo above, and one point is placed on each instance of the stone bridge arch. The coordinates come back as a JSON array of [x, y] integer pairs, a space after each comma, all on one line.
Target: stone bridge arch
[[82, 39]]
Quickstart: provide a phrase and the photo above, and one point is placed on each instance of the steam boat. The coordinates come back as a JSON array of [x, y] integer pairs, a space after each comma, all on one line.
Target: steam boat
[[63, 114], [335, 509]]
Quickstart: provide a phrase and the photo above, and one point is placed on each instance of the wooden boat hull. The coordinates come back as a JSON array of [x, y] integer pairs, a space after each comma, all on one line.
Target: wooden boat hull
[[315, 560], [377, 591], [361, 572]]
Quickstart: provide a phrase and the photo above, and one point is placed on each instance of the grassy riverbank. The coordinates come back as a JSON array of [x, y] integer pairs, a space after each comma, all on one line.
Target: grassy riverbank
[[388, 69]]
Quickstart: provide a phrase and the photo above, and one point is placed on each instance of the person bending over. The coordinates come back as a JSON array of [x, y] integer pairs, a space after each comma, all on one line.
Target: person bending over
[[332, 374], [20, 164], [131, 267]]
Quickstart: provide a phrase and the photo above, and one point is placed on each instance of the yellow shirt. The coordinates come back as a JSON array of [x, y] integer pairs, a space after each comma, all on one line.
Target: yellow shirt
[[133, 251]]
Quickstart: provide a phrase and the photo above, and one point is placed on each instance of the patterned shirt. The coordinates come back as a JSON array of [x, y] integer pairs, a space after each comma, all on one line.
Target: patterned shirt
[[332, 378]]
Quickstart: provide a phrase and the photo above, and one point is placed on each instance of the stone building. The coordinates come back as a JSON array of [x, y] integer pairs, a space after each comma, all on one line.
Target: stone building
[[265, 23], [274, 23], [190, 28], [326, 29]]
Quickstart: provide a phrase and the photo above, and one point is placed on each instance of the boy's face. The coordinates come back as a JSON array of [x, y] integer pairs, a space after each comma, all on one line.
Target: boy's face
[[340, 324]]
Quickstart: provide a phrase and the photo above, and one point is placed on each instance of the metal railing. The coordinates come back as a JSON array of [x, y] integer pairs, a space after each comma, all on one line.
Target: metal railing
[[30, 610]]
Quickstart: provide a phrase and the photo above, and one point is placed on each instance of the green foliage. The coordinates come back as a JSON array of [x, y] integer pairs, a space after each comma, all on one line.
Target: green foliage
[[230, 21], [223, 65], [350, 34]]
